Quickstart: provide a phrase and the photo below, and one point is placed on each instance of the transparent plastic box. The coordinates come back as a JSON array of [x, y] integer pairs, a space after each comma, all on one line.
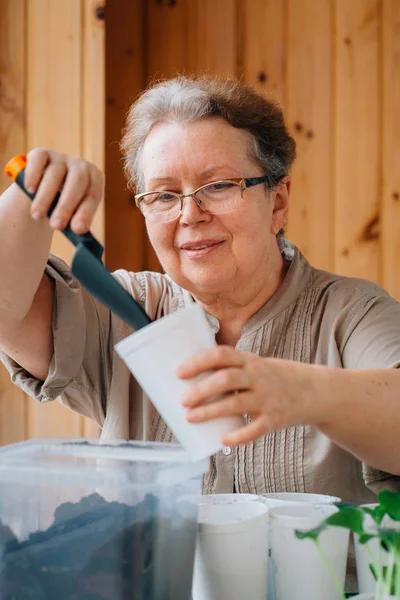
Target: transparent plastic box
[[82, 520]]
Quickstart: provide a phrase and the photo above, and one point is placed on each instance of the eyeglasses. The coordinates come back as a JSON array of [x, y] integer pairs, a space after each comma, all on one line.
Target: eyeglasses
[[216, 198]]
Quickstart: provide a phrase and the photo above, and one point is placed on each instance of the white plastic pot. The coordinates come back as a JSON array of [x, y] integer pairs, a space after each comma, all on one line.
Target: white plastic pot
[[298, 569], [366, 581]]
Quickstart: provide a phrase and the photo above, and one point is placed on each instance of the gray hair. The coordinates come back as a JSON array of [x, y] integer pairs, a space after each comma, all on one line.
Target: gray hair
[[186, 99]]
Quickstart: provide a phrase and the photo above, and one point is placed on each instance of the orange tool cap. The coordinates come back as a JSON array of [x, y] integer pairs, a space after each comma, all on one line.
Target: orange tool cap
[[15, 165]]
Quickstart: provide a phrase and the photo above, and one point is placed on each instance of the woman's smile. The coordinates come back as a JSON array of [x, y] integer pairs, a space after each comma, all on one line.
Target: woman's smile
[[198, 249]]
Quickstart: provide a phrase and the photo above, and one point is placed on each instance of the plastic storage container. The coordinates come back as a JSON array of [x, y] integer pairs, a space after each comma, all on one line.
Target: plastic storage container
[[81, 520]]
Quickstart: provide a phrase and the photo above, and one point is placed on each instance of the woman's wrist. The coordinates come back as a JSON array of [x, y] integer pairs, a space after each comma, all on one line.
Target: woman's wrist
[[322, 396]]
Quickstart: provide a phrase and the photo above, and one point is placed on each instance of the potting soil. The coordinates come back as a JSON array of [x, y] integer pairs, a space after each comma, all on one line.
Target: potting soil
[[99, 550]]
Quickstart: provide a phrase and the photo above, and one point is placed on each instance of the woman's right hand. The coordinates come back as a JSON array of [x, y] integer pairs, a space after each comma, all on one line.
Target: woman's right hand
[[81, 184]]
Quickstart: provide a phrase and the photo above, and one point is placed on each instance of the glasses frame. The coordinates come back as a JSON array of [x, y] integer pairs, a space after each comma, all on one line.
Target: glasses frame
[[243, 183]]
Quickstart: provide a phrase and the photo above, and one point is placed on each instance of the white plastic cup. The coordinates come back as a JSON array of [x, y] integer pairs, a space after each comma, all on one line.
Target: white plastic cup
[[275, 499], [153, 353], [298, 498], [297, 565], [231, 551], [366, 581], [229, 498]]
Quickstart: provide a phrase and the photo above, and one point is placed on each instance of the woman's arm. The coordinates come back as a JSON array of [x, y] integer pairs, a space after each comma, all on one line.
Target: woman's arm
[[26, 294], [358, 409]]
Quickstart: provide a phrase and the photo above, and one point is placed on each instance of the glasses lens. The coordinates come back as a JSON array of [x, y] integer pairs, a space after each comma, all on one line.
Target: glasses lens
[[160, 206], [219, 197]]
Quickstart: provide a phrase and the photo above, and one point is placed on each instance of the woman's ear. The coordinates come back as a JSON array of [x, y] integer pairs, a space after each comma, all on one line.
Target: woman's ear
[[280, 205]]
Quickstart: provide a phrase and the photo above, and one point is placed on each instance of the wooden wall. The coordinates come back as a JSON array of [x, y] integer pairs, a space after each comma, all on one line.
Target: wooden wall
[[334, 65], [51, 94]]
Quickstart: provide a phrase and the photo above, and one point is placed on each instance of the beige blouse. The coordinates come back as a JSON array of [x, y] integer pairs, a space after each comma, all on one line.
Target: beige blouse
[[314, 317]]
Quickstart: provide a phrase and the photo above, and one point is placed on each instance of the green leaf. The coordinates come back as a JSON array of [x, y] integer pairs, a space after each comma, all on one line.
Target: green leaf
[[311, 534], [373, 571], [390, 538], [376, 513], [364, 538], [390, 503], [345, 504], [350, 518], [384, 577]]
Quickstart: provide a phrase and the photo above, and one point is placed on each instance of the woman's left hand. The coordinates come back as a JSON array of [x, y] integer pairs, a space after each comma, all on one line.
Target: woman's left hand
[[275, 393]]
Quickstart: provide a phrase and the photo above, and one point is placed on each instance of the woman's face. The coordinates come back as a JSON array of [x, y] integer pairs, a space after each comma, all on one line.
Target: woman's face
[[240, 244]]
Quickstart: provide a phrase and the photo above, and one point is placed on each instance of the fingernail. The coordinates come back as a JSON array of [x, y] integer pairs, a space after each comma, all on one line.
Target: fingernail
[[30, 189], [37, 214]]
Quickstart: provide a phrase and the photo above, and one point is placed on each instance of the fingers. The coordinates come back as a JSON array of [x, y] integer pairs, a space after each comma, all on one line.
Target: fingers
[[81, 184], [254, 430], [47, 189], [233, 404], [37, 160], [219, 382], [216, 358], [73, 192], [83, 216]]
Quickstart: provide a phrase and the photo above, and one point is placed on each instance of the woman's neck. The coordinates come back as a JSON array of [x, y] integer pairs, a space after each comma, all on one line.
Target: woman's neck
[[234, 310]]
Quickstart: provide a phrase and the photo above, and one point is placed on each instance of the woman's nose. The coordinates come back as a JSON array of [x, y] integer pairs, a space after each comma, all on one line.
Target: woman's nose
[[192, 213]]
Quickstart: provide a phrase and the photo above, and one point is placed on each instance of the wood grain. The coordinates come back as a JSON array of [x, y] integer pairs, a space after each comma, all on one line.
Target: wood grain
[[13, 401], [309, 118], [166, 40], [357, 138], [212, 36], [93, 108], [390, 119], [54, 119], [125, 235], [264, 49]]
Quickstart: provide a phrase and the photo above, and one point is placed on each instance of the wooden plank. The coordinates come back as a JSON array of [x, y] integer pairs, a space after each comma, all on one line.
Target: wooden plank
[[357, 143], [263, 49], [12, 141], [125, 77], [54, 83], [93, 122], [52, 420], [167, 40], [211, 37], [13, 410], [54, 98], [93, 94], [12, 79], [169, 51], [390, 121], [309, 117]]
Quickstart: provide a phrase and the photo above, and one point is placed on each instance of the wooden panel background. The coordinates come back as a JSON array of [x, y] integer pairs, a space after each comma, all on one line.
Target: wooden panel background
[[333, 65], [51, 94]]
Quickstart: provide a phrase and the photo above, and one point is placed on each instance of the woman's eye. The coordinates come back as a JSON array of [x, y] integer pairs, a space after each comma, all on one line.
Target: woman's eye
[[221, 186], [166, 197]]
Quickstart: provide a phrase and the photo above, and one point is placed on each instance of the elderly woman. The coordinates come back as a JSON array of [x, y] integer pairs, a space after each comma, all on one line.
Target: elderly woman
[[309, 357]]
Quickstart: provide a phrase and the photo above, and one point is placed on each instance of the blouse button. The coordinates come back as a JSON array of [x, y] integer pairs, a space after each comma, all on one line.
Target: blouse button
[[226, 450]]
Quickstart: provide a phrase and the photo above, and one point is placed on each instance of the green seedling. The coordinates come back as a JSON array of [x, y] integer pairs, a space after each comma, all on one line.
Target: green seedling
[[351, 517]]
